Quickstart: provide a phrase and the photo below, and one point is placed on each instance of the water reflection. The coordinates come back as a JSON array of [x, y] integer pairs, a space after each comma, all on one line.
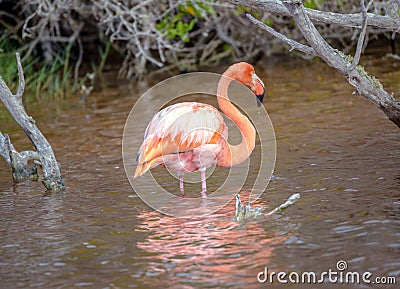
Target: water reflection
[[213, 250]]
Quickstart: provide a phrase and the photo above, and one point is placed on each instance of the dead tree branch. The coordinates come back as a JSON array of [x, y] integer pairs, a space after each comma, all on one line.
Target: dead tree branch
[[293, 44], [361, 38], [352, 20], [364, 84], [44, 155], [18, 161]]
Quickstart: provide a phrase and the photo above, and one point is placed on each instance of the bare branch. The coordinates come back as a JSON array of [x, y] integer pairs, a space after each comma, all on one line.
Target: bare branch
[[366, 85], [79, 61], [30, 155], [21, 83], [293, 44], [19, 162], [353, 20], [4, 152], [394, 56], [360, 43]]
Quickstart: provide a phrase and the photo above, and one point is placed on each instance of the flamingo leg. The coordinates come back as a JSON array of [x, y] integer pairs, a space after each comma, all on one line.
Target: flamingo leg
[[203, 183], [181, 186]]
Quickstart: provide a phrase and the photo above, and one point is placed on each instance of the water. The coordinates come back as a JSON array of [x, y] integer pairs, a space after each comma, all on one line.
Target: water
[[334, 148]]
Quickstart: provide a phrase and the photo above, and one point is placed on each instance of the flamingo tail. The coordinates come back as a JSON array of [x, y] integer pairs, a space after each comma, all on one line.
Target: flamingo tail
[[145, 166], [141, 169]]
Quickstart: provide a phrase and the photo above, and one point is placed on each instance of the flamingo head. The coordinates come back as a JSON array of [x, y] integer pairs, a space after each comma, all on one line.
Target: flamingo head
[[244, 73]]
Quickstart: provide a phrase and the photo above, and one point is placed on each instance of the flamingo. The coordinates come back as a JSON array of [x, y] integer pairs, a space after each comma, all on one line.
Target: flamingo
[[192, 136]]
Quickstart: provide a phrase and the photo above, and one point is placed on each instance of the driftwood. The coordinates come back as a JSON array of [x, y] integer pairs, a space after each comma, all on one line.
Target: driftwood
[[43, 156], [364, 84]]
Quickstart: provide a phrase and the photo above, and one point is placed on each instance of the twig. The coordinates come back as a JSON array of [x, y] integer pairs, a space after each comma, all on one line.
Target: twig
[[18, 161], [360, 42], [351, 20], [4, 151], [79, 61], [21, 82], [292, 199], [394, 56], [293, 44]]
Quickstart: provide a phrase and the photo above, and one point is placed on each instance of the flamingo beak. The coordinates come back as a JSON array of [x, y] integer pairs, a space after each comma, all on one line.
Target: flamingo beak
[[259, 89]]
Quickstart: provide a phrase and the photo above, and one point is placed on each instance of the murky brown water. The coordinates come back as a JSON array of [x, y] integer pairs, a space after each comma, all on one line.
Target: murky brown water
[[334, 148]]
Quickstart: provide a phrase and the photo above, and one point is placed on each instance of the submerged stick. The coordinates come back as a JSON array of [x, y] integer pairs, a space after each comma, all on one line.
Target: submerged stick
[[292, 199], [243, 213]]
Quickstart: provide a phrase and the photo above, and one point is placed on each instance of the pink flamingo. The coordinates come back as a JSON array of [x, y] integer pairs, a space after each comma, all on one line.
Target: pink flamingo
[[191, 136]]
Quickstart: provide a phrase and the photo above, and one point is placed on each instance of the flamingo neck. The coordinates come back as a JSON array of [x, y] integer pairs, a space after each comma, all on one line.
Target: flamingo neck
[[234, 154]]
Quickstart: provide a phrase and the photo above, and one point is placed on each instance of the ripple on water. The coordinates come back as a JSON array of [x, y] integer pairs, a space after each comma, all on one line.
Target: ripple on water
[[346, 229]]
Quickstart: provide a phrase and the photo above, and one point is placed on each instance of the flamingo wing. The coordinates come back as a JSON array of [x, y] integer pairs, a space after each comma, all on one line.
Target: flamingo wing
[[179, 128]]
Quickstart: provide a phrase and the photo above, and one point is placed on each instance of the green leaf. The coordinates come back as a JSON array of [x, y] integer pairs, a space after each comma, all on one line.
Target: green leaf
[[171, 34], [268, 22], [180, 28], [191, 24], [177, 17], [240, 9], [182, 8], [310, 4], [227, 46], [206, 7], [256, 13], [161, 25]]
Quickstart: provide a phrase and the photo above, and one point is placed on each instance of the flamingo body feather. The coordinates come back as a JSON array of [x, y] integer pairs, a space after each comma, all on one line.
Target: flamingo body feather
[[183, 137]]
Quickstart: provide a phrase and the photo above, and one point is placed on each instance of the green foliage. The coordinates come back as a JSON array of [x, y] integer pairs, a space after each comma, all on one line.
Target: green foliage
[[268, 22], [184, 21], [35, 74], [227, 47], [198, 9], [240, 9], [176, 27], [103, 56], [312, 4], [42, 79]]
